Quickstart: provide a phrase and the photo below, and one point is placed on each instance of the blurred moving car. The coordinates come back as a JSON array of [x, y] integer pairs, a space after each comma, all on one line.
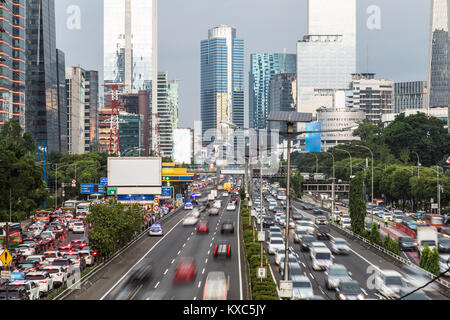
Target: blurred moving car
[[190, 220], [203, 226], [407, 244], [340, 246], [222, 249], [231, 206], [389, 283], [185, 271], [349, 290], [155, 230], [418, 295], [301, 287], [188, 206], [213, 211], [334, 275], [216, 286], [227, 226]]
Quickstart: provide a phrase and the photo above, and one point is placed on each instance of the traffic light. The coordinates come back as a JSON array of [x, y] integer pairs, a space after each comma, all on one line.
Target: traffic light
[[95, 188]]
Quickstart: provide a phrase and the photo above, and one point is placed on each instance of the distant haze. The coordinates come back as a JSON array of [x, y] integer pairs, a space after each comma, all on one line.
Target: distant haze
[[398, 51]]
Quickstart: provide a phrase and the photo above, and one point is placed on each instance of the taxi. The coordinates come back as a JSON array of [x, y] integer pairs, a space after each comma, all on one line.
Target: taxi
[[155, 230]]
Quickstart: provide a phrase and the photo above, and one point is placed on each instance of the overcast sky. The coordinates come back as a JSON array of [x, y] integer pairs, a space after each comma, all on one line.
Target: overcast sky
[[397, 51]]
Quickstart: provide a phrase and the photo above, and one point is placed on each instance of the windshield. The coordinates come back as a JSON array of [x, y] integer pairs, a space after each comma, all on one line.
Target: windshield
[[338, 272], [407, 239], [428, 242], [301, 284], [394, 281], [276, 241], [341, 242], [52, 270], [34, 277], [350, 288], [322, 256]]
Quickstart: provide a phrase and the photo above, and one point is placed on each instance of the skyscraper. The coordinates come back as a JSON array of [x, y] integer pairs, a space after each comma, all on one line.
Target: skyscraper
[[91, 109], [283, 97], [439, 54], [13, 61], [263, 67], [41, 113], [61, 94], [130, 47], [221, 79], [75, 95], [326, 57]]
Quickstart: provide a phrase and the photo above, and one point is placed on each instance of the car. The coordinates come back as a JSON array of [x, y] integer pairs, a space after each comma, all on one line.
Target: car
[[340, 246], [349, 290], [301, 287], [57, 273], [444, 245], [321, 258], [298, 234], [304, 225], [227, 226], [67, 265], [26, 249], [30, 287], [190, 220], [323, 232], [38, 258], [418, 295], [217, 204], [77, 260], [291, 224], [294, 268], [444, 262], [185, 271], [216, 286], [320, 220], [155, 230], [231, 206], [274, 234], [188, 206], [346, 222], [317, 210], [268, 221], [368, 226], [297, 216], [334, 275], [42, 279], [225, 194], [88, 256], [398, 218], [222, 249], [275, 244], [78, 227], [407, 244], [280, 255], [274, 229], [78, 244], [213, 211], [27, 266], [18, 293], [203, 226], [306, 242], [66, 248], [445, 231], [389, 283]]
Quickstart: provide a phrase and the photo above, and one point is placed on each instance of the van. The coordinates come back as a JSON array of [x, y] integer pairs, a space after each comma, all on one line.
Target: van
[[321, 258]]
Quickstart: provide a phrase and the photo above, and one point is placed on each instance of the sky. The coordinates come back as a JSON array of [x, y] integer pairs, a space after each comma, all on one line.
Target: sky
[[397, 50]]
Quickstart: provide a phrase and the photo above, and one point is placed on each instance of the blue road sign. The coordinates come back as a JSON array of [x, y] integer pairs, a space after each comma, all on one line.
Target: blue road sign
[[313, 140], [166, 192], [104, 181], [92, 188]]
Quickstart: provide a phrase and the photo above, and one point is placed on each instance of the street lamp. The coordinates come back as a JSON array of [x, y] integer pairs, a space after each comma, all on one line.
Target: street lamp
[[350, 155], [438, 189], [371, 153], [332, 191]]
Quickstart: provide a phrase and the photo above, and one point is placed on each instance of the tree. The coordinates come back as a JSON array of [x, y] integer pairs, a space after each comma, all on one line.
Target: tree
[[356, 204], [367, 130], [433, 262], [425, 257], [374, 236]]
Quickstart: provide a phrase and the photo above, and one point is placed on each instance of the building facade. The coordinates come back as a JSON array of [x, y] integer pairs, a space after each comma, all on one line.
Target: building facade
[[91, 109], [61, 97], [263, 67], [41, 113], [130, 134], [326, 57], [75, 95], [283, 96], [336, 119], [410, 95], [12, 61], [173, 98], [221, 80], [373, 96], [439, 54]]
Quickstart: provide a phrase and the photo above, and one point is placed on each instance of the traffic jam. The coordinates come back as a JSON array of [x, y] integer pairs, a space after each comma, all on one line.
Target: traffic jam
[[52, 250]]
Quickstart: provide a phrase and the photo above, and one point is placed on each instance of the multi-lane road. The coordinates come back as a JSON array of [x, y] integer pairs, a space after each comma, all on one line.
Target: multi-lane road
[[117, 281]]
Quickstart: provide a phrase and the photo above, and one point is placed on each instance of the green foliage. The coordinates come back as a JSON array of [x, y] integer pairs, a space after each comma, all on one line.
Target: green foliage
[[113, 226], [367, 130], [356, 204], [433, 262], [374, 236], [391, 245], [425, 257]]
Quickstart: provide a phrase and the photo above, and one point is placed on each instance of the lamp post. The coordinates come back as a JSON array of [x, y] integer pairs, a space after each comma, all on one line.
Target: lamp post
[[350, 155], [333, 202], [371, 153], [438, 189]]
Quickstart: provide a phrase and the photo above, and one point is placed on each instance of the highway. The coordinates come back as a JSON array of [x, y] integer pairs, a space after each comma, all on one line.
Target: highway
[[361, 263], [162, 253]]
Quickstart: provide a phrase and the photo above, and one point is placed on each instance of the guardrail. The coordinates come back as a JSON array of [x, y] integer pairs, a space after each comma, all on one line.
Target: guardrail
[[441, 281], [105, 263]]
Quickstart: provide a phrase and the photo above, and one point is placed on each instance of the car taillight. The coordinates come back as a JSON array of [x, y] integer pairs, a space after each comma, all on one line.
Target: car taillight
[[59, 274], [94, 253], [215, 250], [43, 281], [229, 249]]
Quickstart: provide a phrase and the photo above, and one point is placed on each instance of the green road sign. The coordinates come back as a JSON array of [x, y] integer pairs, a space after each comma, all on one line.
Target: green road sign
[[112, 191]]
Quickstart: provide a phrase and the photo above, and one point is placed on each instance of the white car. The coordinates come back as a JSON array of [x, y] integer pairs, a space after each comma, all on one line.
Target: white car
[[443, 259], [217, 204], [280, 254], [31, 288], [72, 223], [389, 283], [275, 244], [304, 225], [52, 255], [57, 273], [340, 246], [42, 279], [346, 223], [48, 234], [195, 212], [155, 230], [225, 194], [190, 220], [26, 249], [88, 257], [39, 258], [188, 206], [301, 288], [322, 258], [78, 227], [231, 207]]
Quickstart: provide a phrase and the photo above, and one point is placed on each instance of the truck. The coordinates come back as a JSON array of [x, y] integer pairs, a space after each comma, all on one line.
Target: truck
[[426, 236]]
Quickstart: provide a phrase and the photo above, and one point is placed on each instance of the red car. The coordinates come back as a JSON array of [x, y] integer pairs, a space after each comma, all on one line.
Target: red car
[[78, 244], [185, 271], [202, 226]]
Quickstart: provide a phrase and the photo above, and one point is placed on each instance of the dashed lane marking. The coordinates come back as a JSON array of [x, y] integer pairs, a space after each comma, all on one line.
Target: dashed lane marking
[[166, 271], [156, 286], [173, 261]]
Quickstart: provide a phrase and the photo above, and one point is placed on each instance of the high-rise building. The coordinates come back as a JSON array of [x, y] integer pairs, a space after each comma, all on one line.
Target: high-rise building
[[41, 112], [221, 80], [326, 57], [12, 60], [439, 54], [373, 96], [75, 95], [130, 48], [173, 98], [91, 109], [283, 96], [62, 101], [263, 67], [410, 95], [130, 134]]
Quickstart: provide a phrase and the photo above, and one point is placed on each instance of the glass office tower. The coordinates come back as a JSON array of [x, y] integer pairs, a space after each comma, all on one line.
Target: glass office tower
[[221, 79], [326, 57], [439, 64], [263, 67]]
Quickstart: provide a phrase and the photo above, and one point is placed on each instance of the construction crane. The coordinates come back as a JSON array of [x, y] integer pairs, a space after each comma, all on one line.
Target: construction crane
[[114, 141]]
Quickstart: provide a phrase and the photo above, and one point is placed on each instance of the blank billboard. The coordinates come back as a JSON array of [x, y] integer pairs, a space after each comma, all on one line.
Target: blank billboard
[[182, 146], [134, 172]]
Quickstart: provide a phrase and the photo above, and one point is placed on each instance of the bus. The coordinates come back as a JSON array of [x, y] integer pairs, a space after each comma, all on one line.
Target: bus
[[42, 216], [15, 233], [281, 195], [434, 220], [378, 202], [96, 197], [70, 204]]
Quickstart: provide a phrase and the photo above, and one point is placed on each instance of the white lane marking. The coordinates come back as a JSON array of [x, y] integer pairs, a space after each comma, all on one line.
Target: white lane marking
[[192, 233], [139, 261], [206, 260], [199, 284], [166, 271], [178, 252], [311, 275], [304, 265], [173, 261], [195, 298], [364, 291], [379, 296], [188, 238], [156, 286], [209, 252], [184, 244], [203, 271], [212, 239], [350, 274], [210, 245], [365, 259]]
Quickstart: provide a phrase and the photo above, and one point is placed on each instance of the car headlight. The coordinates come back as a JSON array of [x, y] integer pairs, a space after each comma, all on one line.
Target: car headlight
[[360, 296], [343, 297]]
